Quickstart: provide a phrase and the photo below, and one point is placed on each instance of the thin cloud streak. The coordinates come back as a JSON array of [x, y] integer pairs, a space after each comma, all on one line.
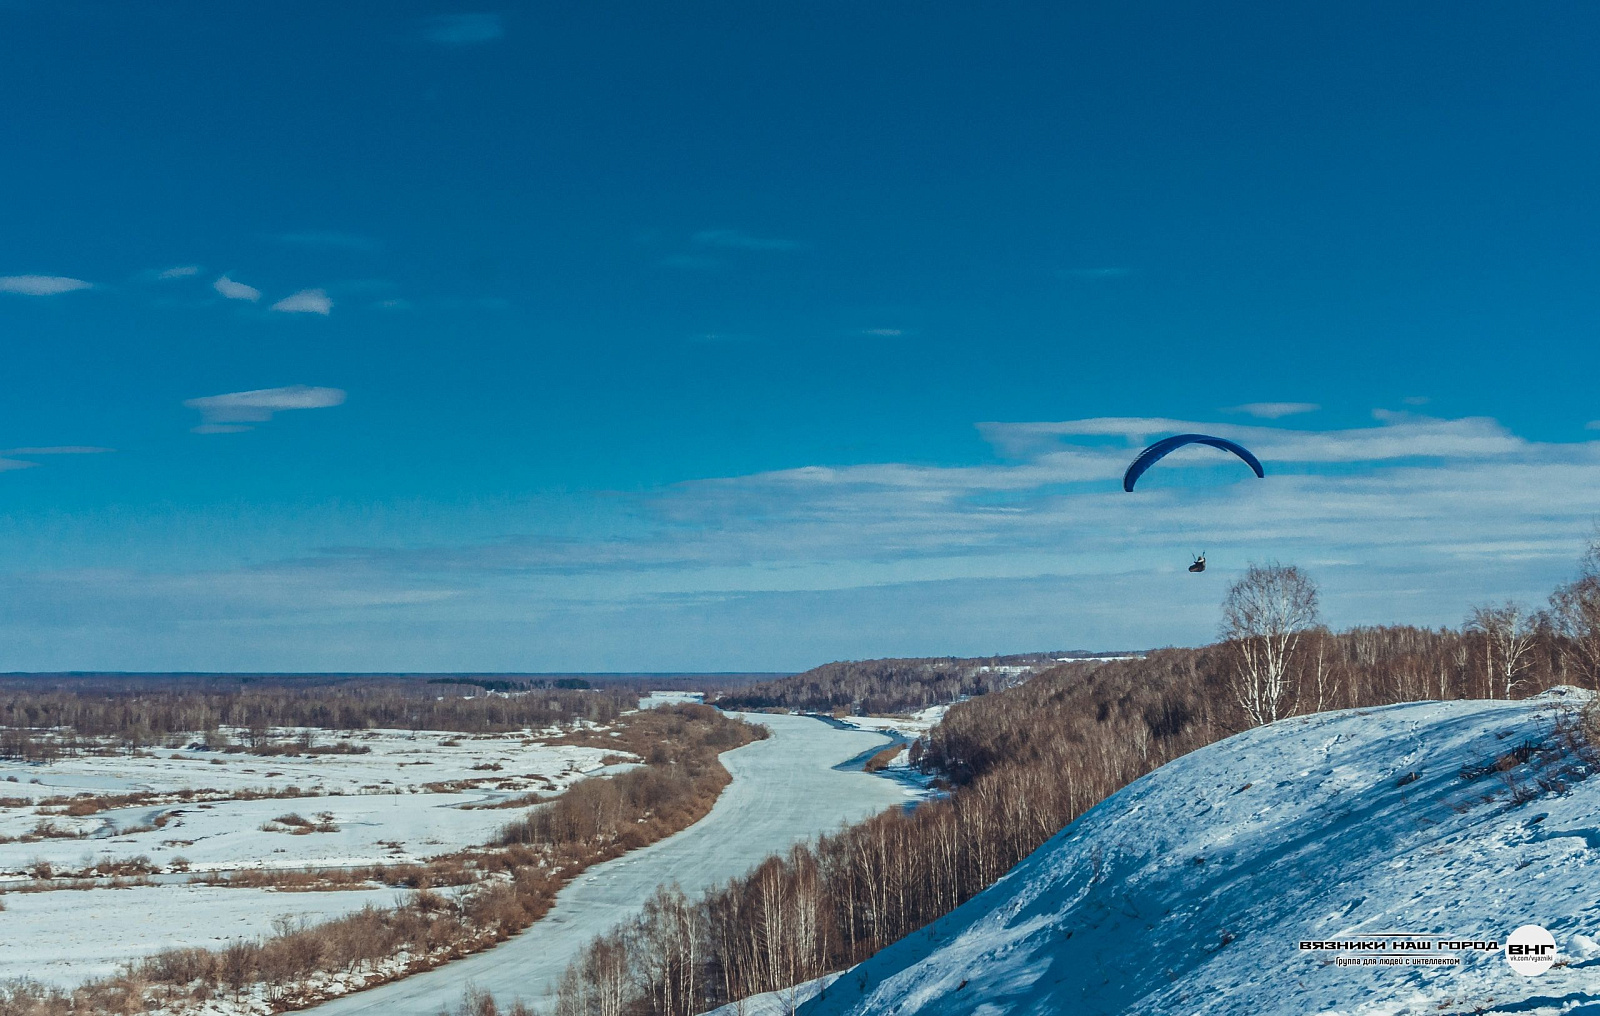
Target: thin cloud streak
[[230, 413], [307, 301], [41, 285], [236, 290], [9, 462], [1273, 410]]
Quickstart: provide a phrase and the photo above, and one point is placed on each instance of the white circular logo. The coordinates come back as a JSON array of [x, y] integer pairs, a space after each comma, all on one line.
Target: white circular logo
[[1530, 950]]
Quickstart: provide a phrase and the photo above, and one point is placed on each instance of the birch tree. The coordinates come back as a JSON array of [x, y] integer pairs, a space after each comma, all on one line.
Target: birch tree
[[1265, 616], [1508, 631]]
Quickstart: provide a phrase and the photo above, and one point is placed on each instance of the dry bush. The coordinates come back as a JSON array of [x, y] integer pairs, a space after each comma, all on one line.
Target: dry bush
[[883, 759], [481, 1003]]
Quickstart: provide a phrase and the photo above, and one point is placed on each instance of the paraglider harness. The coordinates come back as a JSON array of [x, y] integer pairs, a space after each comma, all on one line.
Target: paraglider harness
[[1199, 564]]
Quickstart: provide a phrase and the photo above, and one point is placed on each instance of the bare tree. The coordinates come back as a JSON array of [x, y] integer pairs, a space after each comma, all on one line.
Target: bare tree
[[1575, 613], [1264, 617], [1508, 631]]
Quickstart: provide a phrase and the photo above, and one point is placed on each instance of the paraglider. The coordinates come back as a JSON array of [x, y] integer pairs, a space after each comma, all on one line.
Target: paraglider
[[1153, 454]]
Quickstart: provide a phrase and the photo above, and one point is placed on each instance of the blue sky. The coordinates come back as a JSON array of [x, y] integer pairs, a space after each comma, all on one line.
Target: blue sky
[[728, 336]]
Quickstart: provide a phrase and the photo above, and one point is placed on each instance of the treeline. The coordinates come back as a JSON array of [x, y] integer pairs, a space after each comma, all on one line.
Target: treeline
[[39, 721], [676, 786], [1026, 761], [514, 881], [861, 687]]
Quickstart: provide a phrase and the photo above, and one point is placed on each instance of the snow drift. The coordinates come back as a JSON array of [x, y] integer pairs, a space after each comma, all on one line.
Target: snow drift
[[1190, 890]]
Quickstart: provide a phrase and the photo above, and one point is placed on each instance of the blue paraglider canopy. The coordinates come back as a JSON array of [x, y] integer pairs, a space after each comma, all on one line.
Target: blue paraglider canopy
[[1151, 455]]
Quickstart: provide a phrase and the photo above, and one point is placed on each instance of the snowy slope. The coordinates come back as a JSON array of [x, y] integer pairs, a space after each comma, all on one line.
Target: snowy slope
[[775, 1003], [1188, 891]]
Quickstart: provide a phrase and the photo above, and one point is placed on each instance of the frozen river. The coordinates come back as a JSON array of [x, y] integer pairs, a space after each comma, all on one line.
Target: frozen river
[[784, 789]]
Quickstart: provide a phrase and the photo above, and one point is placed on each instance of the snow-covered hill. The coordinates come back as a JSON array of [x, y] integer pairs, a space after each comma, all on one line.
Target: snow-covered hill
[[1189, 891]]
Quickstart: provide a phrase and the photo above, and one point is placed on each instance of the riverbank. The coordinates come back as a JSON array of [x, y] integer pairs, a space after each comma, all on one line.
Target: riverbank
[[785, 789]]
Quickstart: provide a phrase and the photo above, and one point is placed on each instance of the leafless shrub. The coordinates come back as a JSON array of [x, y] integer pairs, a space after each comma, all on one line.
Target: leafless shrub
[[883, 759]]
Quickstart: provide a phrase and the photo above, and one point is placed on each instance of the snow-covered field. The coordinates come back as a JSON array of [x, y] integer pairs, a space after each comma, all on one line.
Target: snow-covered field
[[656, 699], [1189, 891], [368, 808], [908, 725], [381, 802], [65, 938]]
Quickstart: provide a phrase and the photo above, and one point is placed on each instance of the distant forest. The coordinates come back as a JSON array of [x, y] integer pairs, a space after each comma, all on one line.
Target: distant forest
[[42, 717], [862, 687]]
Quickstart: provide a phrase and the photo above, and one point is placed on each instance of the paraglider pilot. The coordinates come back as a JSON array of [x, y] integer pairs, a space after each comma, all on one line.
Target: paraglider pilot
[[1199, 564]]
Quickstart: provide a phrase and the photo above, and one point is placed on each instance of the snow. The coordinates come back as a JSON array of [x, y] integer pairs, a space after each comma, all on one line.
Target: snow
[[378, 800], [672, 698], [1188, 891], [66, 937], [378, 807], [908, 725], [776, 1003]]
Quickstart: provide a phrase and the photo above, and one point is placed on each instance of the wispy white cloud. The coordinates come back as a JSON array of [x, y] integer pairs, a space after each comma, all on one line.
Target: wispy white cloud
[[236, 290], [234, 411], [735, 239], [9, 461], [887, 333], [1273, 410], [1061, 512], [1408, 519], [179, 272], [1399, 436], [307, 301], [41, 285], [463, 29]]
